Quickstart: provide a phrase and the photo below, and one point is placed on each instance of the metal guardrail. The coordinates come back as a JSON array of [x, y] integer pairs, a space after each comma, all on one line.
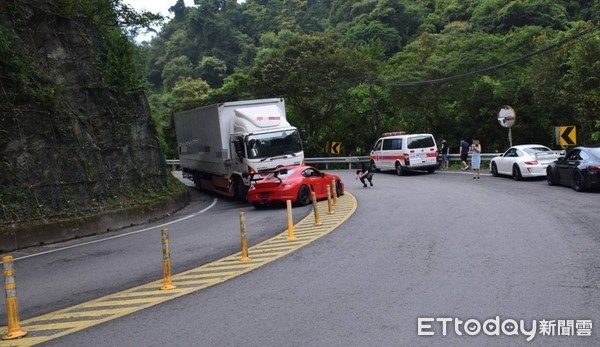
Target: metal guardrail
[[350, 160]]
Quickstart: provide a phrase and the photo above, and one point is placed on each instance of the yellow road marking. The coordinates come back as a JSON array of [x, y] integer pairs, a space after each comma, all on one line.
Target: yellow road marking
[[72, 319]]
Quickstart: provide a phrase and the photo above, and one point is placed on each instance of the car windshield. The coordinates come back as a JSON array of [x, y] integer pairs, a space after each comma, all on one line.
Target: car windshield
[[274, 144], [282, 174], [534, 150]]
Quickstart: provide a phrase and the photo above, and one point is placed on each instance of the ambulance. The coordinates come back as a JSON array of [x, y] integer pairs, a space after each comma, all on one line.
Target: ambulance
[[403, 152]]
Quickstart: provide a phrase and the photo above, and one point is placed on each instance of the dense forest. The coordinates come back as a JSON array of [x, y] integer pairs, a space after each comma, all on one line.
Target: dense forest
[[350, 70], [86, 111]]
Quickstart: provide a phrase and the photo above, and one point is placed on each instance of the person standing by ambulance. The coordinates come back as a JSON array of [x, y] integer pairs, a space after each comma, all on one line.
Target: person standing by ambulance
[[476, 158], [444, 151]]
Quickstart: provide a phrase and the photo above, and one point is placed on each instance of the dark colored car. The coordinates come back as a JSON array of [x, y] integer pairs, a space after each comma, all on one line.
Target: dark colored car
[[294, 183], [580, 169]]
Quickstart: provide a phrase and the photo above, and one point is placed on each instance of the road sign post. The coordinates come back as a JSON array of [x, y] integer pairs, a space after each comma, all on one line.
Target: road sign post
[[566, 136], [506, 118]]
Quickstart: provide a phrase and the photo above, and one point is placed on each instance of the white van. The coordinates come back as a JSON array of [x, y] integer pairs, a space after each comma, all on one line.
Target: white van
[[400, 151]]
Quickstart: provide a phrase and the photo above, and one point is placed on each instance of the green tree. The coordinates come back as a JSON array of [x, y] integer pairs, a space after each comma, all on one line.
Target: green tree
[[176, 68], [212, 70], [313, 73], [189, 93]]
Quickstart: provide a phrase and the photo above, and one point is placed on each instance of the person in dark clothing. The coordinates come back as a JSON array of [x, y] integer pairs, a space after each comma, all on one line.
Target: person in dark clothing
[[444, 151], [365, 173], [464, 153]]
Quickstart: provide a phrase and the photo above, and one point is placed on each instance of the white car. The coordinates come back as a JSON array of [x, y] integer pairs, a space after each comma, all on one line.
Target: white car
[[524, 161]]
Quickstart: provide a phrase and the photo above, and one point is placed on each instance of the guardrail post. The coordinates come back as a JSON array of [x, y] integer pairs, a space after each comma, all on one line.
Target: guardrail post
[[167, 280], [244, 238], [290, 220], [315, 208], [12, 307]]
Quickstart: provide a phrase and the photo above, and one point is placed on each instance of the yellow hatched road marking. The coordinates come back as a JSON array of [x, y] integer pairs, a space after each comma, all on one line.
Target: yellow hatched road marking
[[72, 319]]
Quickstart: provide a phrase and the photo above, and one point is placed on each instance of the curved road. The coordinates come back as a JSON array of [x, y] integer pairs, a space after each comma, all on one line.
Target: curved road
[[420, 246]]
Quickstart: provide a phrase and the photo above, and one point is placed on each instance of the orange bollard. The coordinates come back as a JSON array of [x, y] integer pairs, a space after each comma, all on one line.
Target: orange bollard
[[167, 281], [334, 189], [329, 201], [12, 306], [290, 220], [244, 239], [315, 209]]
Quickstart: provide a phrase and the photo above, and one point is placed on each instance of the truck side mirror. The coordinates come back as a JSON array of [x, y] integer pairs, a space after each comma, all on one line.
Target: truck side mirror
[[303, 135], [239, 148]]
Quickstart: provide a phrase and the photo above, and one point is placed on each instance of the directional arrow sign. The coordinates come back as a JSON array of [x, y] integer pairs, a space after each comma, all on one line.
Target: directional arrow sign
[[335, 147], [568, 136]]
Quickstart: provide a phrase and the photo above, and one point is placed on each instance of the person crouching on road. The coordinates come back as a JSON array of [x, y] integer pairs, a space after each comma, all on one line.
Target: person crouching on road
[[365, 173]]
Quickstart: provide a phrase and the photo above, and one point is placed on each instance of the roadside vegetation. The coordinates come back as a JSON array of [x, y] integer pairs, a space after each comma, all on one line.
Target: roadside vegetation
[[350, 70]]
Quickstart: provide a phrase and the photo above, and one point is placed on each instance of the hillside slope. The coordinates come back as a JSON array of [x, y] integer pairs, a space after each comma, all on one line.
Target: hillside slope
[[76, 136]]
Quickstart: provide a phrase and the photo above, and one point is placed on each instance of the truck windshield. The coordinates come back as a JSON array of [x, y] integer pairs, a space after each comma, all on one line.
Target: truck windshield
[[274, 144]]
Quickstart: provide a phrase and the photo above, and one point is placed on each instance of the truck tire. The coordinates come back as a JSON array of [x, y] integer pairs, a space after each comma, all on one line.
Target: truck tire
[[240, 189], [198, 181]]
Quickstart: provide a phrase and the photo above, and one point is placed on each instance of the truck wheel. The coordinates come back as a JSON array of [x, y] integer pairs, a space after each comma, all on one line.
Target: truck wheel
[[198, 181], [240, 189], [303, 196]]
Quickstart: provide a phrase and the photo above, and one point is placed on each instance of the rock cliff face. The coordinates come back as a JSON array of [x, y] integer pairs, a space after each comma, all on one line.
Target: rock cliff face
[[76, 136]]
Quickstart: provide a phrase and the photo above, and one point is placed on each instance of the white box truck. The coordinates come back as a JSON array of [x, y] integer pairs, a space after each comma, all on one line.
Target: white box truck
[[222, 145]]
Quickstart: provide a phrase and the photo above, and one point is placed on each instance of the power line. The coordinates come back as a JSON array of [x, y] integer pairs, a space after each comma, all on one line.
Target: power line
[[580, 35]]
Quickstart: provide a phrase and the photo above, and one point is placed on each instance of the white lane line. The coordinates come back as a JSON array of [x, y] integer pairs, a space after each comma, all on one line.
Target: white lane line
[[121, 235]]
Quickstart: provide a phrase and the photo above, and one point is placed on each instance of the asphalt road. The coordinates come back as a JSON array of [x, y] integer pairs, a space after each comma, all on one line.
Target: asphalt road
[[64, 274], [420, 246]]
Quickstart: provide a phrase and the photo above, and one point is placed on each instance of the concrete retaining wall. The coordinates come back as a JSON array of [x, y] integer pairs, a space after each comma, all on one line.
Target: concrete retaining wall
[[18, 236]]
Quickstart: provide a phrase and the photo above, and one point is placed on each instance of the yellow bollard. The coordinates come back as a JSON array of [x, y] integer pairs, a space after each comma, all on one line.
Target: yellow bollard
[[244, 239], [12, 306], [167, 282], [334, 189], [329, 201], [315, 208], [290, 220]]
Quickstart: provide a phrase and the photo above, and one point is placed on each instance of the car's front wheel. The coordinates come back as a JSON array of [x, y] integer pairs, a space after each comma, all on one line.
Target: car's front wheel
[[303, 196], [550, 177], [494, 170]]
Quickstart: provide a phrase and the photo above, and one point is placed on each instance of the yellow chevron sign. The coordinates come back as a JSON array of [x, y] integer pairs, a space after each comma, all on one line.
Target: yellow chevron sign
[[333, 147], [566, 135]]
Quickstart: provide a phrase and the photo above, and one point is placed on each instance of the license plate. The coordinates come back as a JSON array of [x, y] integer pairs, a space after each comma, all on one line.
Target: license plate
[[264, 195]]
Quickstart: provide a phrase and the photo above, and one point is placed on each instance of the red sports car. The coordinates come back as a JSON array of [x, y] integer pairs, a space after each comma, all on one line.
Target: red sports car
[[293, 183]]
